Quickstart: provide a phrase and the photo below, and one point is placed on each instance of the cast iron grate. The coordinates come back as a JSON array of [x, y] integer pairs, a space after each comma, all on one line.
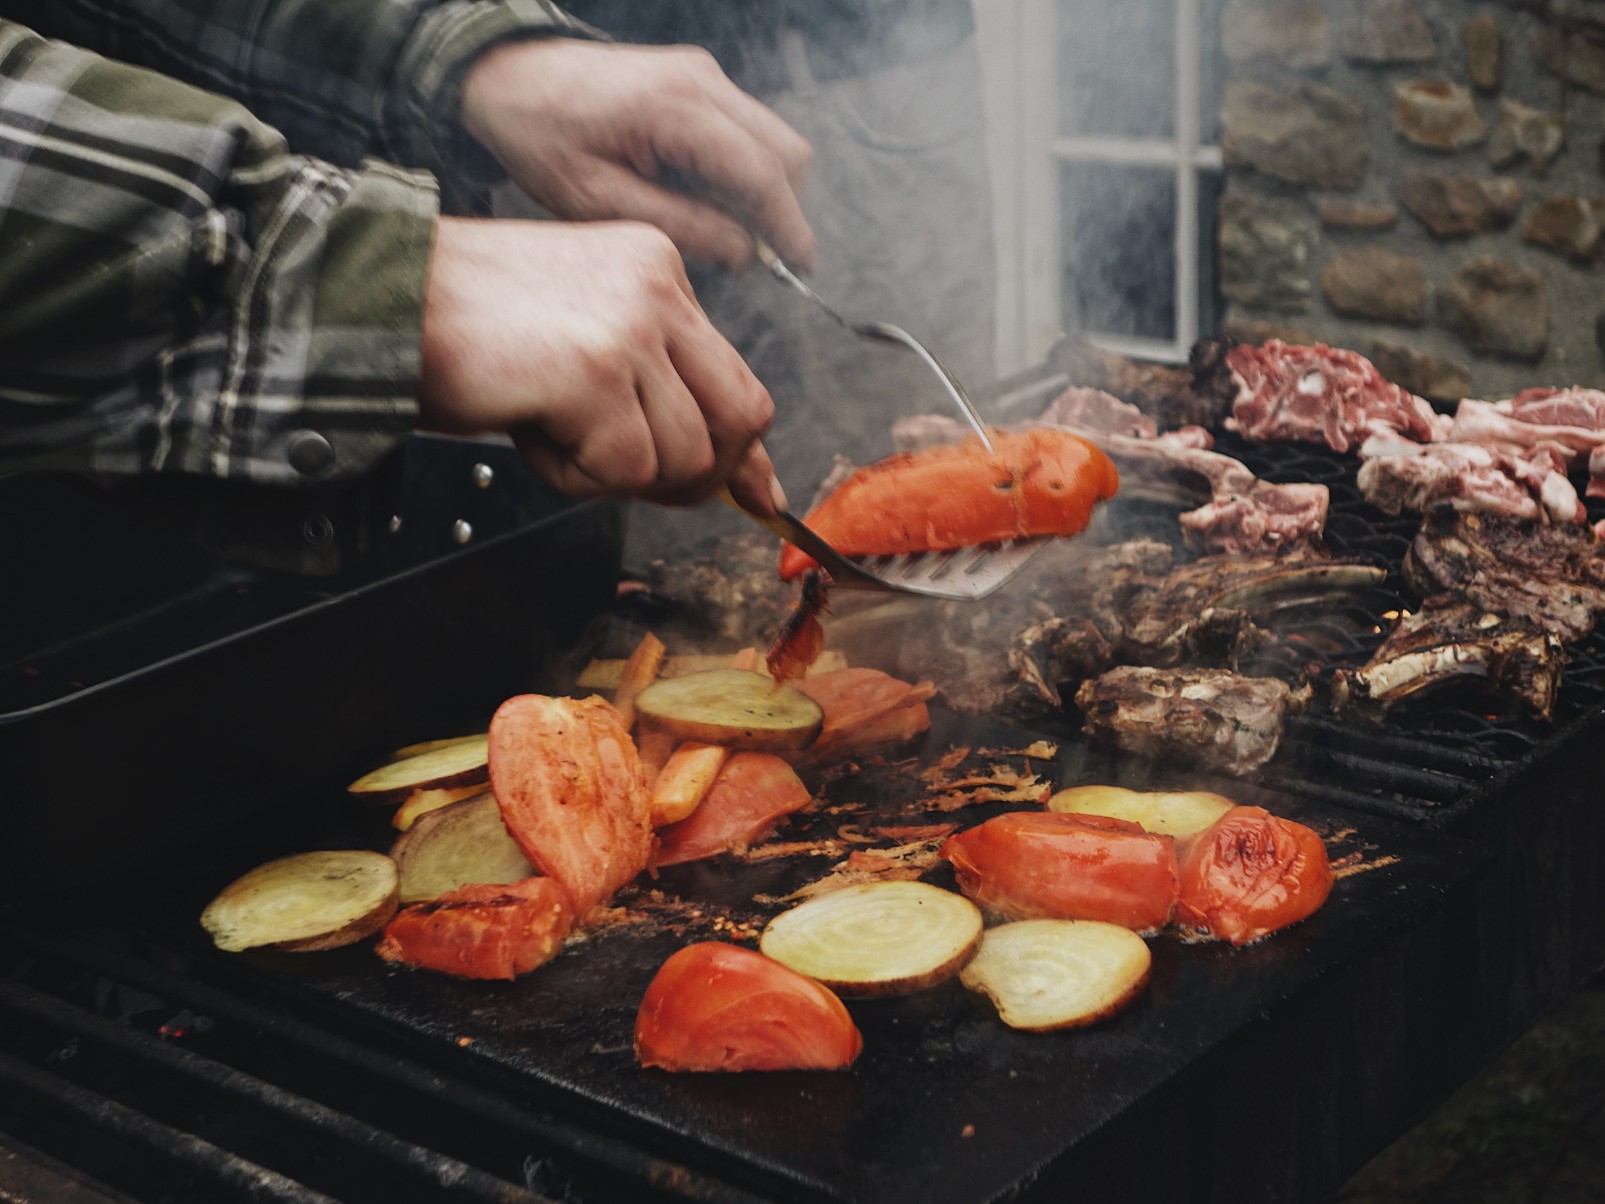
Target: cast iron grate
[[170, 1086]]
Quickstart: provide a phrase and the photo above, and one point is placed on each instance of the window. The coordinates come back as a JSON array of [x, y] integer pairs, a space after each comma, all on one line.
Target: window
[[1104, 128]]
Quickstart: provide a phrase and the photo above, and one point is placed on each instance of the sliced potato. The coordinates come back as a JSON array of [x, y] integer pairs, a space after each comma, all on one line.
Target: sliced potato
[[877, 938], [456, 764], [423, 746], [304, 902], [605, 674], [733, 707], [1164, 812], [457, 844], [421, 802], [1044, 975]]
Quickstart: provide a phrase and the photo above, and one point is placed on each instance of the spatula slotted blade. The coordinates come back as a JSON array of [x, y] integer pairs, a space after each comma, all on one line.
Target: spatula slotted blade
[[963, 574]]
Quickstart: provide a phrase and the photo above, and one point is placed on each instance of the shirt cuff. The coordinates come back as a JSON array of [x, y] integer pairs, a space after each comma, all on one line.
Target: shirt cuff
[[421, 122]]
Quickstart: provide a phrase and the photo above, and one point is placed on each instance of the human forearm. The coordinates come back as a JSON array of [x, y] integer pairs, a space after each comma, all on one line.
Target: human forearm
[[178, 293]]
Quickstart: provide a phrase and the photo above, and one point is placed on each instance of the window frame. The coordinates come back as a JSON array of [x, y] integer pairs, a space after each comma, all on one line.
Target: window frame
[[1019, 47]]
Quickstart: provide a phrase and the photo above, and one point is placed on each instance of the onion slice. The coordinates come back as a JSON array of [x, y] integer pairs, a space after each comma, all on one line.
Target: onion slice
[[1178, 813], [877, 938], [1044, 975]]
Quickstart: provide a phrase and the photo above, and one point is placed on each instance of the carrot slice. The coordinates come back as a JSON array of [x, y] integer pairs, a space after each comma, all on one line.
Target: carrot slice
[[685, 778], [639, 672]]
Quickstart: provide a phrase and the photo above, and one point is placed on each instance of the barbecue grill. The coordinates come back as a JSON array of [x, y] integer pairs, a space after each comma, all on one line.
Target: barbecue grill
[[138, 1062]]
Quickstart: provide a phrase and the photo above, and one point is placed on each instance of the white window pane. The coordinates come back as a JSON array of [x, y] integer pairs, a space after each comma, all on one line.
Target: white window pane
[[1117, 66], [1119, 227]]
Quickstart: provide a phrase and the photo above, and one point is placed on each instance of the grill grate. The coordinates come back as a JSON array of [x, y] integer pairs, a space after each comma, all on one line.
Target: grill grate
[[1430, 762], [173, 1089]]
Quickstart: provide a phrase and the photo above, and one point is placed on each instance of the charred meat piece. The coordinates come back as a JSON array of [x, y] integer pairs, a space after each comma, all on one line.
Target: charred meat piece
[[1207, 717], [1199, 394], [1208, 610], [1322, 394], [1449, 642], [1550, 576]]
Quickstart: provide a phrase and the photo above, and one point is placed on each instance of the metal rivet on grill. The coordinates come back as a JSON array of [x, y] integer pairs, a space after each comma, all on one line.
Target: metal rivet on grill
[[462, 530], [394, 524], [484, 474], [317, 530]]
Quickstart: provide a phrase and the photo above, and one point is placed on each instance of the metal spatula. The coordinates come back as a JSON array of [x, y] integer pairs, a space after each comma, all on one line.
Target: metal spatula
[[962, 574]]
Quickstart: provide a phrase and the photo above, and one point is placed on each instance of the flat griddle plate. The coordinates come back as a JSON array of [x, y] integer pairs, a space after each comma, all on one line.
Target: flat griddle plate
[[946, 1103]]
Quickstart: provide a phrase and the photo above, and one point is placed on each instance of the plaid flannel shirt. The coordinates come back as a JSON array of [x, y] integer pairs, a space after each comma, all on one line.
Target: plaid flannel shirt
[[212, 262]]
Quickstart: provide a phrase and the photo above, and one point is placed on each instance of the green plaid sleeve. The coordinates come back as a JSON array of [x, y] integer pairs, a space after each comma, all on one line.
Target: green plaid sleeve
[[179, 293], [341, 79]]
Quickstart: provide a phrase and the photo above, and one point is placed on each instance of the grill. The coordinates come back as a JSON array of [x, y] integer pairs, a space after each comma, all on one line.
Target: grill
[[137, 1062]]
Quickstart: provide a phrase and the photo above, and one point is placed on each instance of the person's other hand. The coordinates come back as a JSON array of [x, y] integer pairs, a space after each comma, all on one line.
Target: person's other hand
[[585, 343], [589, 129]]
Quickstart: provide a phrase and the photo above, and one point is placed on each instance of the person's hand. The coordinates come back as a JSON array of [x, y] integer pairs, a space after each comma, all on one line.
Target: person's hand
[[585, 343], [588, 130]]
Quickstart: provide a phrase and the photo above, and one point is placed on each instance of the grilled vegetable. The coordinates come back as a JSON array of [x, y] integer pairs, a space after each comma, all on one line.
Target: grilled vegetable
[[572, 792], [640, 671], [482, 930], [421, 802], [865, 708], [714, 1006], [733, 707], [1251, 874], [605, 674], [460, 843], [455, 764], [305, 902], [1051, 974], [685, 778], [752, 791], [1177, 813], [877, 938], [423, 746], [1039, 865], [1038, 482]]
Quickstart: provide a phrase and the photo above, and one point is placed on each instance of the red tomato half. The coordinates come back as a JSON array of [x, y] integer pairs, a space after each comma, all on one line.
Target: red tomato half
[[1252, 873], [752, 791], [1041, 864], [714, 1006]]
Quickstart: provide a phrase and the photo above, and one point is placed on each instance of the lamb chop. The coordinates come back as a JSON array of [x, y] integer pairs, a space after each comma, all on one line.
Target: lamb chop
[[1502, 478], [1208, 717], [1503, 595], [1322, 394], [1451, 642], [1199, 394], [1551, 575]]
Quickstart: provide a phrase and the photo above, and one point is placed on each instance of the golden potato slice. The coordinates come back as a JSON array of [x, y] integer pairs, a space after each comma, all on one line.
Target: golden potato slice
[[1165, 812], [304, 902], [421, 802], [733, 707], [457, 844], [877, 938], [1044, 975], [423, 746], [455, 764]]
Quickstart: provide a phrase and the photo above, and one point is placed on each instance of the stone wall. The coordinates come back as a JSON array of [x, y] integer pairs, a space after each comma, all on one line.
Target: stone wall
[[1422, 181]]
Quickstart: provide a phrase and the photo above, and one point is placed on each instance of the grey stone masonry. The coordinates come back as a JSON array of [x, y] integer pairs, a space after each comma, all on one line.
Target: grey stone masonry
[[1422, 181]]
